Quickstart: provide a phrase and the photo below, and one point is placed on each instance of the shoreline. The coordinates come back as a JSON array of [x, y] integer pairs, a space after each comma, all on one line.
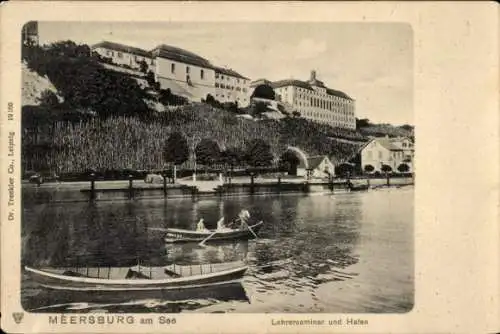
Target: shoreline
[[59, 192]]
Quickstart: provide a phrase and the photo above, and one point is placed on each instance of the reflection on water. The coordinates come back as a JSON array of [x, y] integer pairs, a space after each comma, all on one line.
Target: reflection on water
[[328, 253]]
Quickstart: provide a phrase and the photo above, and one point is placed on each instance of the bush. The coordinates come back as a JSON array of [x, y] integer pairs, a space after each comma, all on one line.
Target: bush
[[49, 99], [369, 169], [143, 66], [403, 168], [386, 168]]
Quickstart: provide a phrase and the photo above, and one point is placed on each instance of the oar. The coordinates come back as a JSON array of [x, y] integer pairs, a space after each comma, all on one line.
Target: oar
[[162, 229], [202, 243], [250, 229]]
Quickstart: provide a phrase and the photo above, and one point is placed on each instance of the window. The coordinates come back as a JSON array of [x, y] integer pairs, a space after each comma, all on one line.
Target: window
[[172, 68], [216, 85], [222, 86], [216, 75], [222, 77], [120, 55], [202, 74], [187, 69], [108, 53]]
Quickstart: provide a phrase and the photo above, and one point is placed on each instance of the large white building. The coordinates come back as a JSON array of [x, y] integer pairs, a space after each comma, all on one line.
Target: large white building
[[230, 86], [183, 72], [387, 151], [124, 55], [315, 101]]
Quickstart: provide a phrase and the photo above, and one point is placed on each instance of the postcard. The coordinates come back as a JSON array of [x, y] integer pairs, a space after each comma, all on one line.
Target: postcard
[[222, 167]]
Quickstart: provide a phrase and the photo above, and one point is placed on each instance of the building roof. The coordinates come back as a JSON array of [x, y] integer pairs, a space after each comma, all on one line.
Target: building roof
[[388, 144], [230, 72], [384, 141], [259, 82], [338, 93], [307, 85], [291, 82], [313, 161], [122, 48], [180, 55]]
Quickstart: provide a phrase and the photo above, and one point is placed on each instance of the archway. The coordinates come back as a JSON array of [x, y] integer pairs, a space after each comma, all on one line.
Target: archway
[[292, 158]]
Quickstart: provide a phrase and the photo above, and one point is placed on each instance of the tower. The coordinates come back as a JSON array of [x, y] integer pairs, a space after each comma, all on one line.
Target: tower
[[313, 76], [30, 33]]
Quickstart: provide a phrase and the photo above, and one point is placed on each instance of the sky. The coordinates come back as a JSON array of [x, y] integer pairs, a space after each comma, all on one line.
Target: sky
[[371, 62]]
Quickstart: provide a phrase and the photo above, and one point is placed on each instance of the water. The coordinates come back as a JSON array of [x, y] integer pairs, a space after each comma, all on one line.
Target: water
[[316, 253]]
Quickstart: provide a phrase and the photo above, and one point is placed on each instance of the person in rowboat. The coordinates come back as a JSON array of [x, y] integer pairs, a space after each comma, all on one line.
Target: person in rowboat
[[243, 217], [221, 227], [200, 227]]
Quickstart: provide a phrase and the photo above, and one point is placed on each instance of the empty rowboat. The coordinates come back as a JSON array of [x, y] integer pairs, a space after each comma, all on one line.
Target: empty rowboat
[[172, 277], [177, 235]]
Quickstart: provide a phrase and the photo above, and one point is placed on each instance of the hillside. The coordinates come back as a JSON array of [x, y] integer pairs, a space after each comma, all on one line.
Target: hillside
[[137, 143], [366, 128], [104, 118], [33, 85]]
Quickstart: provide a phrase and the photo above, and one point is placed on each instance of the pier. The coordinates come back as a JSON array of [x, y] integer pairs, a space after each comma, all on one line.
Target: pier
[[135, 189]]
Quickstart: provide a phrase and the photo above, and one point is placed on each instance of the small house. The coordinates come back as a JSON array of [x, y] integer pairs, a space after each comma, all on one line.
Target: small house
[[316, 167]]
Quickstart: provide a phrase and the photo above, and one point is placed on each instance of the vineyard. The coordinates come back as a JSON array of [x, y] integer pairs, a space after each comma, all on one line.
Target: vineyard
[[103, 120], [137, 143]]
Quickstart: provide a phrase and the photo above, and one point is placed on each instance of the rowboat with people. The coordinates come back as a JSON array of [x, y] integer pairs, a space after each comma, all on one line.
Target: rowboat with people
[[177, 235], [135, 278], [238, 229]]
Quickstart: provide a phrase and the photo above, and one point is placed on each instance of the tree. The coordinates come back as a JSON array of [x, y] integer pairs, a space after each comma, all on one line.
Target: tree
[[362, 123], [69, 49], [264, 92], [143, 66], [150, 78], [403, 168], [165, 97], [232, 156], [207, 152], [369, 169], [386, 169], [259, 108], [210, 99], [176, 150], [407, 127], [344, 169], [48, 99], [289, 162], [295, 113], [258, 153]]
